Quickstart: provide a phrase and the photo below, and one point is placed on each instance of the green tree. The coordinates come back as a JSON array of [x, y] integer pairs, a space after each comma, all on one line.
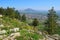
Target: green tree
[[10, 12], [51, 24], [23, 18], [2, 10], [17, 15], [35, 22]]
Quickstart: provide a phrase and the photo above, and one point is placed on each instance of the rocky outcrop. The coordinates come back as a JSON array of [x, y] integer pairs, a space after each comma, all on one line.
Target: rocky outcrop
[[12, 36]]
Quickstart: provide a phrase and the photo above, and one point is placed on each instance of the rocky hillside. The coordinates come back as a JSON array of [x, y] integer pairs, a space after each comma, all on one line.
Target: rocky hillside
[[11, 29]]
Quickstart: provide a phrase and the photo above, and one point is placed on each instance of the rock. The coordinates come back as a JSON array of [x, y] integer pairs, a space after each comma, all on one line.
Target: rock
[[56, 36], [2, 36], [16, 35], [1, 16], [3, 32], [14, 29], [12, 36], [39, 32], [1, 25]]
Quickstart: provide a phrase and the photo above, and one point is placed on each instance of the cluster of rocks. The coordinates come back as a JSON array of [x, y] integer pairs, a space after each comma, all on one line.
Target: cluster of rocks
[[12, 36], [52, 37], [14, 29], [1, 16]]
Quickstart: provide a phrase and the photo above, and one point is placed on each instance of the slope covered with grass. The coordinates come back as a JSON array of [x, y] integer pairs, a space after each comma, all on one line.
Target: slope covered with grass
[[10, 26]]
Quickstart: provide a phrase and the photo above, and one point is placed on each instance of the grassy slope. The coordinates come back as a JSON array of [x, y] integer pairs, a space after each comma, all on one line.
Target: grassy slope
[[24, 27]]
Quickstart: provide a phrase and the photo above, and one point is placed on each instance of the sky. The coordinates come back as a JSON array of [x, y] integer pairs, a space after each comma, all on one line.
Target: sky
[[33, 4]]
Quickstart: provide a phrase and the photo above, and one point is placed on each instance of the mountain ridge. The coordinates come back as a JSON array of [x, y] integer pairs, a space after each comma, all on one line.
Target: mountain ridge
[[41, 12]]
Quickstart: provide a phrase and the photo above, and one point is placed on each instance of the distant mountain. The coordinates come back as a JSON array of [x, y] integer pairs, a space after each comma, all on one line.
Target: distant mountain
[[40, 14], [37, 12], [29, 10], [32, 11]]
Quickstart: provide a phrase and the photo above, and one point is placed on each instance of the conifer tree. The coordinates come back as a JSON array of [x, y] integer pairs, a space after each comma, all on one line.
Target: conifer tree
[[2, 10], [51, 21], [17, 15], [35, 22], [23, 18]]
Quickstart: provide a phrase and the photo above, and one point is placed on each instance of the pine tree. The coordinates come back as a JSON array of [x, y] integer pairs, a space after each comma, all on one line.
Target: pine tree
[[17, 15], [2, 11], [23, 18], [10, 12], [35, 22], [51, 21]]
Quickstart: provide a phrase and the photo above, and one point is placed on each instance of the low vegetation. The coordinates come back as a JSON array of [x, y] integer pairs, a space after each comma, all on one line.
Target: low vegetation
[[15, 26]]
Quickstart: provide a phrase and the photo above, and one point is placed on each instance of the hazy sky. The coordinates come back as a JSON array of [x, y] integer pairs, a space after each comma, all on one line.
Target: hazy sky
[[34, 4]]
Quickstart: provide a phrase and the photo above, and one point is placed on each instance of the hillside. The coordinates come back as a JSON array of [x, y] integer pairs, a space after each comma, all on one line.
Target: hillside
[[15, 29], [14, 26]]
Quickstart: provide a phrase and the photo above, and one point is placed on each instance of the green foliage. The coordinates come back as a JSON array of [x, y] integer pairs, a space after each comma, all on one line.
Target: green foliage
[[51, 24], [2, 11], [10, 12], [19, 38], [26, 35], [23, 19], [35, 22], [11, 19], [17, 16], [41, 27], [13, 23]]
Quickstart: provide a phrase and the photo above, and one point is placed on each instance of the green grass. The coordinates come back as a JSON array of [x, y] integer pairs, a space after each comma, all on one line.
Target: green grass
[[10, 23]]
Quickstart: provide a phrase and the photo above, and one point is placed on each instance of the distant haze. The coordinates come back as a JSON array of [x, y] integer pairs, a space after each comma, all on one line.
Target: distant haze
[[32, 11], [40, 14]]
